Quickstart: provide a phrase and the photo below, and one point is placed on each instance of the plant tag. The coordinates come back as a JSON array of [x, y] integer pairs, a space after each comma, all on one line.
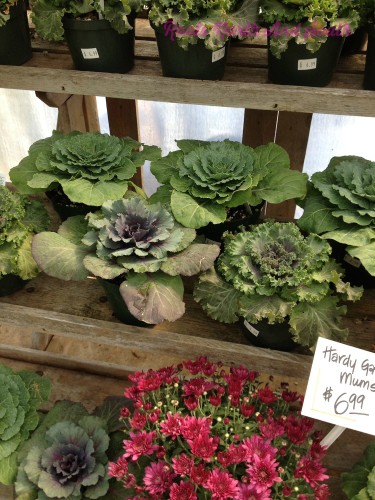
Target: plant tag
[[307, 64], [251, 329], [341, 386], [353, 261], [218, 54], [90, 53]]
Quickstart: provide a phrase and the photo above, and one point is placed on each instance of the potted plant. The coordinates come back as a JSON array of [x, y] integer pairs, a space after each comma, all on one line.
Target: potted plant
[[136, 249], [280, 282], [100, 34], [340, 206], [367, 11], [80, 170], [193, 35], [20, 220], [205, 181], [15, 44], [22, 393], [359, 482], [67, 455], [305, 38], [201, 431]]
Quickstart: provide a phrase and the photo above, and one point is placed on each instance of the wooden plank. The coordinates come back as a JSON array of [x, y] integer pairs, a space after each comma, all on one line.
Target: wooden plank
[[6, 492], [218, 93]]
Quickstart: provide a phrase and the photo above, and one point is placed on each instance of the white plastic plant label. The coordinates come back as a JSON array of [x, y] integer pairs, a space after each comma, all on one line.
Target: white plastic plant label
[[218, 54], [307, 64], [251, 329], [341, 387], [90, 54], [353, 261]]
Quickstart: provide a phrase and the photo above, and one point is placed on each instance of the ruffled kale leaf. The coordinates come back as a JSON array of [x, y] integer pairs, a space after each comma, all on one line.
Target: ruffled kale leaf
[[205, 179], [138, 243], [273, 272], [340, 205], [90, 167], [20, 219], [360, 481], [21, 394]]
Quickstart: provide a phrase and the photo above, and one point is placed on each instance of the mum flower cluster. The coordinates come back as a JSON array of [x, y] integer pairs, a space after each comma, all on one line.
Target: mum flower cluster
[[200, 431]]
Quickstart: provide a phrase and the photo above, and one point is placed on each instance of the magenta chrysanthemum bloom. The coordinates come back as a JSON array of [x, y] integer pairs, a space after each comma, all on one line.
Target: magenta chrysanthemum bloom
[[191, 403], [221, 484], [311, 470], [172, 425], [192, 427], [297, 429], [182, 464], [140, 444], [266, 395], [258, 446], [138, 421], [263, 473], [271, 429], [182, 491], [199, 474], [158, 478], [322, 492], [118, 469], [246, 491], [203, 446]]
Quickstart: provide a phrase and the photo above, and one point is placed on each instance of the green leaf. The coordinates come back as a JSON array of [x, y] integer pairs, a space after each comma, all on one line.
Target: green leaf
[[281, 185], [26, 265], [319, 319], [272, 156], [42, 181], [8, 469], [371, 483], [164, 168], [154, 297], [193, 260], [366, 255], [93, 193], [317, 215], [352, 236], [187, 145], [102, 268], [355, 481], [74, 229], [190, 213], [23, 173], [150, 153], [254, 308], [162, 195], [48, 20], [58, 257], [217, 297], [109, 412]]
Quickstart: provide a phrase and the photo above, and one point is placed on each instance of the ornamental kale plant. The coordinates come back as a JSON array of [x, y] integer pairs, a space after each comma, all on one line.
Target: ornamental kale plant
[[47, 15], [67, 456], [214, 433], [214, 21], [358, 484], [20, 220], [21, 394], [5, 5], [90, 167], [204, 179], [135, 242], [340, 206], [307, 22], [273, 272]]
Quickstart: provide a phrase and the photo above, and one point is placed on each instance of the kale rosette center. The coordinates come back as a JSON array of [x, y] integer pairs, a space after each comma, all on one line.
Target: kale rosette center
[[69, 463]]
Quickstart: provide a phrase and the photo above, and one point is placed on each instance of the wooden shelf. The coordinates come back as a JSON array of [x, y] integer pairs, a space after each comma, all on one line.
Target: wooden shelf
[[244, 85]]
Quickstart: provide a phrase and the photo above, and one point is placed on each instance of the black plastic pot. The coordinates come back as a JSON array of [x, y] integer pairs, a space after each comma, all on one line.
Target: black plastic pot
[[120, 310], [299, 66], [96, 46], [369, 81], [66, 208], [276, 336], [355, 42], [196, 62], [15, 44], [355, 273], [249, 215], [11, 283]]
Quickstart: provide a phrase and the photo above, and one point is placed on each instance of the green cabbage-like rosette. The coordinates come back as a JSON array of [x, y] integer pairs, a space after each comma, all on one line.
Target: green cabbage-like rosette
[[340, 206]]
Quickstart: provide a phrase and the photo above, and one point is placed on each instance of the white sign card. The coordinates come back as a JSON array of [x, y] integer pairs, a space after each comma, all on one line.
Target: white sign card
[[307, 64], [341, 386], [218, 54], [90, 53]]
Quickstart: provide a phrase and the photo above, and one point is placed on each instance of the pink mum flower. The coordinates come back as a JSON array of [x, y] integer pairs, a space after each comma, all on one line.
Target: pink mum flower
[[221, 484], [118, 469], [271, 429], [249, 492], [311, 470], [203, 446], [192, 427], [182, 465], [257, 445], [140, 444], [172, 425], [266, 395], [158, 478], [263, 473], [182, 491]]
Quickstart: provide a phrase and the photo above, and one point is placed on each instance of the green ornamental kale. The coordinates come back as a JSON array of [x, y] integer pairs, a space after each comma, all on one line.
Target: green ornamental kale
[[359, 483], [20, 219], [21, 394], [204, 179], [132, 240], [67, 456], [275, 273], [90, 167], [340, 206]]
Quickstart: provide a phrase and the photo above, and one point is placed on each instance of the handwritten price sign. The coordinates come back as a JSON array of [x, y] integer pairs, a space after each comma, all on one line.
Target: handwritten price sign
[[341, 387]]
